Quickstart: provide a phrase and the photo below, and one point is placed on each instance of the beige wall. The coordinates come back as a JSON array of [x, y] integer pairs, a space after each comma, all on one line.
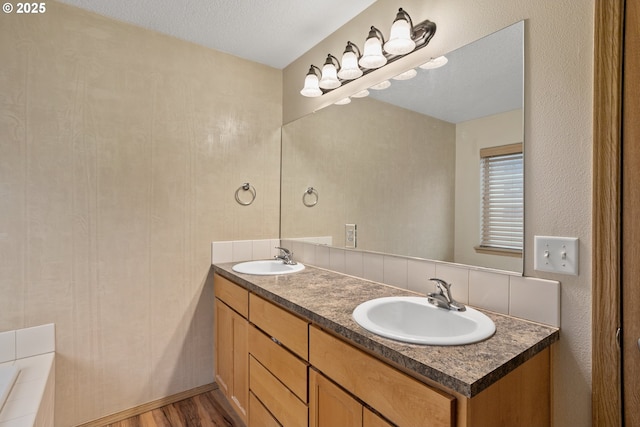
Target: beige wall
[[558, 140], [471, 136], [120, 151], [384, 168]]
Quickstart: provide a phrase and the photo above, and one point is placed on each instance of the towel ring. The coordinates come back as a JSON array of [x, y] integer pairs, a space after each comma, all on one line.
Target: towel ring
[[246, 187], [308, 195]]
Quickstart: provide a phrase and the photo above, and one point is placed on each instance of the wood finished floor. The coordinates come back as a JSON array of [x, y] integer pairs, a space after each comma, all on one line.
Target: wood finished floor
[[203, 410]]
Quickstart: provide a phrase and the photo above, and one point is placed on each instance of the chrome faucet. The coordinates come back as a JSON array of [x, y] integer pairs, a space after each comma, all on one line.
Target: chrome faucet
[[286, 256], [443, 297]]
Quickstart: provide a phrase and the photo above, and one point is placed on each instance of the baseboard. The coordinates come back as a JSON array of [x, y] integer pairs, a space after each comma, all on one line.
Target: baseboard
[[149, 406]]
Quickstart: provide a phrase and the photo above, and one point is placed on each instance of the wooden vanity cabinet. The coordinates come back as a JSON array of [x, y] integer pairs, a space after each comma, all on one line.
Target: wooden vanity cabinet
[[231, 343], [278, 368]]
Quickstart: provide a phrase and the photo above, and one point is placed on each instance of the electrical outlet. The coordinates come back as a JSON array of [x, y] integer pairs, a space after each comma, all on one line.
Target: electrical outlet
[[350, 236], [556, 254]]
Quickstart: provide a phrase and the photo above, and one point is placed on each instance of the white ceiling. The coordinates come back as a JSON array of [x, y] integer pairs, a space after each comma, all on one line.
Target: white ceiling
[[271, 32]]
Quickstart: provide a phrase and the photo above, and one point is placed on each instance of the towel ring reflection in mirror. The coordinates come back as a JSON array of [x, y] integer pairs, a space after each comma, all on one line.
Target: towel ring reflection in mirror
[[310, 197], [246, 187]]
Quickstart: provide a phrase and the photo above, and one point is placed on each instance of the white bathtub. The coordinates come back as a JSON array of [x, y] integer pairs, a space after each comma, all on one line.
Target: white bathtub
[[27, 377], [8, 376]]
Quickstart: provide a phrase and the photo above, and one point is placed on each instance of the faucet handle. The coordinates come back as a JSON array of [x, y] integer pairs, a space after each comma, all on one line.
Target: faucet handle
[[445, 291], [286, 256], [443, 287], [285, 251]]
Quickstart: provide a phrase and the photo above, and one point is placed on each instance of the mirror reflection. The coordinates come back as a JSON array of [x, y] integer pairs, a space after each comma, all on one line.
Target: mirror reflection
[[403, 164]]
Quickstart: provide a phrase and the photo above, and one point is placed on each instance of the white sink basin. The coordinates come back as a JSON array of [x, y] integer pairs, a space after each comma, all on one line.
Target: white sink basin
[[415, 320], [266, 268]]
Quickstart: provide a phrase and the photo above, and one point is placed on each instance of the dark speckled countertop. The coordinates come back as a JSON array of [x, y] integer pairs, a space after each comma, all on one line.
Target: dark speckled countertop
[[328, 299]]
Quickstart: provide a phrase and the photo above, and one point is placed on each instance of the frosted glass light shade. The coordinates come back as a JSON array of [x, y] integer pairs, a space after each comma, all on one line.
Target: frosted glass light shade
[[343, 101], [361, 94], [350, 69], [311, 88], [409, 74], [400, 42], [372, 56], [382, 85], [435, 63], [329, 78]]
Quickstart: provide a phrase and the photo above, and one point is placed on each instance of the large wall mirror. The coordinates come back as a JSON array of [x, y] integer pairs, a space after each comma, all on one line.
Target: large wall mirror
[[403, 164]]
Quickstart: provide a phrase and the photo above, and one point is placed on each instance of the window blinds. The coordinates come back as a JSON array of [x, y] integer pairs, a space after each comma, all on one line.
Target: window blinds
[[502, 184]]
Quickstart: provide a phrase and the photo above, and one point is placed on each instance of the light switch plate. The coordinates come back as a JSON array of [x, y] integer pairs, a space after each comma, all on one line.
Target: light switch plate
[[556, 254], [350, 236]]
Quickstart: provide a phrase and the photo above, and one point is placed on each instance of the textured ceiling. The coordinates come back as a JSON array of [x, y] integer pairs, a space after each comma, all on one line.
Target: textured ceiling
[[271, 32]]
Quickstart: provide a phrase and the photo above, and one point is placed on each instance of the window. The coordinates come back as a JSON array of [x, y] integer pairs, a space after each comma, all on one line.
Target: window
[[502, 211]]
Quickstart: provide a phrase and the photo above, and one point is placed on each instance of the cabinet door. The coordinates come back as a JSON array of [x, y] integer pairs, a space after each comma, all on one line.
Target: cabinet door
[[232, 357], [240, 364], [224, 347], [329, 405]]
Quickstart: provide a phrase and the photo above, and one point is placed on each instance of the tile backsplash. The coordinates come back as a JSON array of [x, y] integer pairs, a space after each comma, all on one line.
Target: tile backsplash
[[529, 298], [243, 250]]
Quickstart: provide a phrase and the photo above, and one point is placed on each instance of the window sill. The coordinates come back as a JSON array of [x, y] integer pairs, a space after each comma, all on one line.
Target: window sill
[[498, 251]]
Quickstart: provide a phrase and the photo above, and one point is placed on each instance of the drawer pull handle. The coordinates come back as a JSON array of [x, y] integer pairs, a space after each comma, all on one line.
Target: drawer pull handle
[[276, 341]]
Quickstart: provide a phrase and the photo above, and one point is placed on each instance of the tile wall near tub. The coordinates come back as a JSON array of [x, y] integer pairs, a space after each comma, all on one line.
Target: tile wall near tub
[[27, 342]]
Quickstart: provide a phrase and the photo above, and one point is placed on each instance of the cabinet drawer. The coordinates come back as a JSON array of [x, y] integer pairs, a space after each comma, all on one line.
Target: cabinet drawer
[[287, 328], [402, 399], [233, 295], [259, 416], [371, 419], [280, 362], [279, 400]]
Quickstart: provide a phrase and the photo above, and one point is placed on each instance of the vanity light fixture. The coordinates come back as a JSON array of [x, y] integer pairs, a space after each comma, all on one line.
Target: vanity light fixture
[[409, 74], [350, 69], [404, 38], [434, 63], [329, 79], [311, 83], [400, 41]]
